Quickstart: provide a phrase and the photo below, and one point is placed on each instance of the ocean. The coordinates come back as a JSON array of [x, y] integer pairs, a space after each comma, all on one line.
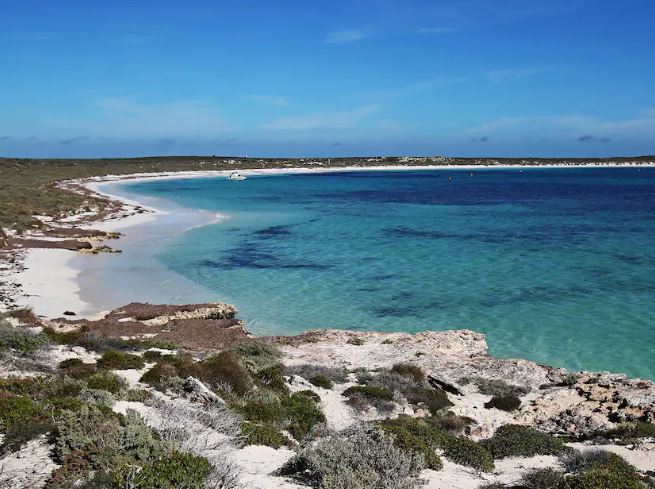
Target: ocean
[[553, 265]]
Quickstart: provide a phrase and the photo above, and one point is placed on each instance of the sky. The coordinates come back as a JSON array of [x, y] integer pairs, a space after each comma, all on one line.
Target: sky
[[327, 78]]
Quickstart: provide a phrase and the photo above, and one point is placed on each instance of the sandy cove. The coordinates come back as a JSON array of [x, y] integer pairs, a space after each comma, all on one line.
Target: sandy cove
[[28, 279]]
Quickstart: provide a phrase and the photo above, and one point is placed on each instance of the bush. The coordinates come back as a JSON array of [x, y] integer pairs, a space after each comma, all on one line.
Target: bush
[[630, 433], [302, 413], [173, 470], [15, 409], [25, 315], [433, 399], [544, 479], [452, 424], [21, 341], [463, 451], [307, 371], [254, 434], [107, 382], [321, 380], [522, 441], [602, 478], [273, 378], [370, 392], [138, 395], [577, 462], [257, 356], [151, 355], [119, 360], [409, 442], [494, 387], [296, 413], [310, 395], [226, 368], [410, 370], [358, 458], [459, 450], [507, 402], [76, 368], [355, 341], [21, 431], [97, 396]]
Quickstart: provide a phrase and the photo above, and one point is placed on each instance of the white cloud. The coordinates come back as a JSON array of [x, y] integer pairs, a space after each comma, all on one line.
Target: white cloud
[[345, 36], [276, 100], [183, 118], [321, 120]]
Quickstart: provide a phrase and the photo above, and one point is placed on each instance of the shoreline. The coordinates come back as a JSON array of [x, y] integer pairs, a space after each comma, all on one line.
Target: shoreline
[[68, 285]]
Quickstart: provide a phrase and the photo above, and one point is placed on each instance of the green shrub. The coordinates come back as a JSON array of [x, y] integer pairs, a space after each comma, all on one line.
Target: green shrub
[[630, 433], [106, 381], [359, 458], [152, 355], [257, 355], [544, 479], [307, 370], [97, 396], [272, 378], [578, 462], [459, 450], [296, 413], [302, 413], [409, 442], [226, 368], [76, 368], [57, 404], [370, 392], [119, 360], [451, 423], [310, 395], [433, 399], [602, 478], [255, 434], [138, 395], [522, 441], [174, 470], [507, 402], [21, 431], [321, 380], [21, 341], [463, 451], [494, 387], [160, 376], [410, 370], [15, 409]]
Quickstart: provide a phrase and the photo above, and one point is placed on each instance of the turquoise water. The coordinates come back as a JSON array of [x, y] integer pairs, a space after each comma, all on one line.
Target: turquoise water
[[554, 265]]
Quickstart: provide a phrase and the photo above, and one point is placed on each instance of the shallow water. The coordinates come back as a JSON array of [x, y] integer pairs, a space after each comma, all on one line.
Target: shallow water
[[554, 265]]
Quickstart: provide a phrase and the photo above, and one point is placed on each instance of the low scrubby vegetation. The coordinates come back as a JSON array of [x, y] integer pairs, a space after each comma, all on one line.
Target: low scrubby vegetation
[[19, 340], [120, 360], [92, 341], [595, 469], [522, 441], [359, 458]]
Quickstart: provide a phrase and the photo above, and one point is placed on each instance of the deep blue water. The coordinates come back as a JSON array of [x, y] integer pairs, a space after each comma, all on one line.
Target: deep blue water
[[555, 265]]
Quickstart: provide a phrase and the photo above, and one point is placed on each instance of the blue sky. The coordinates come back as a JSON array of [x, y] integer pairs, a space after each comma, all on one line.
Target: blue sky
[[353, 77]]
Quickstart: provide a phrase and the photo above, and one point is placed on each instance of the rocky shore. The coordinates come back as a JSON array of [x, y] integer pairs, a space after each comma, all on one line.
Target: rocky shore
[[446, 378]]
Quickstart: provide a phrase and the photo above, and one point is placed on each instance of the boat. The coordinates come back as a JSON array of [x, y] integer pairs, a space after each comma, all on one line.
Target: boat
[[235, 175]]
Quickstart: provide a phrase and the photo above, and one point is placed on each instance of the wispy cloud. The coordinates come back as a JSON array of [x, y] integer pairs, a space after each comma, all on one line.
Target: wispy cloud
[[76, 139], [322, 120], [588, 138], [499, 76], [275, 100], [182, 118], [345, 36], [437, 30], [409, 89]]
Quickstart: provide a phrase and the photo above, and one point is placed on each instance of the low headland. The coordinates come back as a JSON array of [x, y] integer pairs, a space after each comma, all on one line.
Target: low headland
[[182, 395]]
